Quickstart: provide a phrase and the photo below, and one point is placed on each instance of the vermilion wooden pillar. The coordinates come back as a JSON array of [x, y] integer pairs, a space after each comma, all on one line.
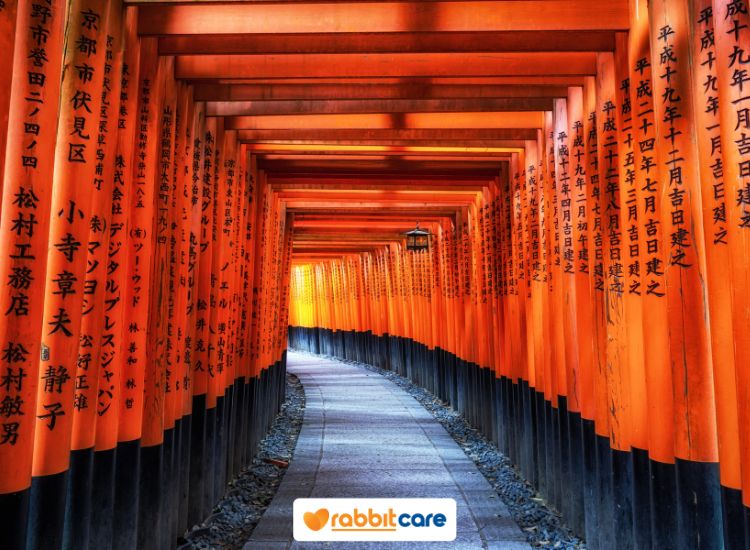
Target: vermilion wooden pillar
[[24, 223], [178, 243], [236, 380], [525, 247], [731, 23], [608, 153], [213, 369], [659, 396], [565, 296], [203, 283], [157, 187], [173, 140], [531, 253], [117, 449], [137, 293], [501, 249], [543, 373], [555, 356], [685, 268], [247, 247], [70, 218], [283, 304], [202, 456], [598, 451], [227, 265], [581, 256], [580, 373], [521, 263], [630, 251], [633, 473], [563, 251], [222, 264], [80, 507], [240, 207], [157, 410], [535, 275], [718, 256], [195, 311], [555, 360]]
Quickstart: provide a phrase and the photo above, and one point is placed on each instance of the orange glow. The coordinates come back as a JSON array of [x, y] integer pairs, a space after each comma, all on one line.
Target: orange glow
[[500, 120]]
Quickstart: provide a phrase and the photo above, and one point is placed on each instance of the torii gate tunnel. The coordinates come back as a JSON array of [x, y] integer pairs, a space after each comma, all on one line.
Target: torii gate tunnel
[[188, 185]]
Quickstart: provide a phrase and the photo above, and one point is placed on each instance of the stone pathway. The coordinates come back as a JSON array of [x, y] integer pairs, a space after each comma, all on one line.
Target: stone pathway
[[363, 436]]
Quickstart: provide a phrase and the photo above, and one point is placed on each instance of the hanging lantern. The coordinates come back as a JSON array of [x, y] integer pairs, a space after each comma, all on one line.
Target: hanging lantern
[[417, 239]]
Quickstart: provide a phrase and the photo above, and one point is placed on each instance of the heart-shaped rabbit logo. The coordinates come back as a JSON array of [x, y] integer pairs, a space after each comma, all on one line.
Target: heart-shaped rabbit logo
[[316, 521]]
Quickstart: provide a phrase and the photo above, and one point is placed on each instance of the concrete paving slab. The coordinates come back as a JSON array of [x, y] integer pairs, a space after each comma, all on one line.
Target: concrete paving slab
[[364, 436]]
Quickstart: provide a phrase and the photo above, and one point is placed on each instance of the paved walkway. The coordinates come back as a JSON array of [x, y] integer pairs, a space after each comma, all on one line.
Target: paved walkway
[[363, 436]]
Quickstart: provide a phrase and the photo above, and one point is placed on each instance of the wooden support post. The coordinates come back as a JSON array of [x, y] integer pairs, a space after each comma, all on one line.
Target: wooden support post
[[80, 506], [731, 23], [29, 163], [705, 89], [73, 184], [685, 270]]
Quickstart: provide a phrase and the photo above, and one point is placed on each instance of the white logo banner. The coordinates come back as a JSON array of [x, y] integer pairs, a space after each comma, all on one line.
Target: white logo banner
[[374, 519]]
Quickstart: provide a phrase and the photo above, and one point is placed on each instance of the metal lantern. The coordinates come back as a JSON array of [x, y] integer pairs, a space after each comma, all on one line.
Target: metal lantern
[[417, 239]]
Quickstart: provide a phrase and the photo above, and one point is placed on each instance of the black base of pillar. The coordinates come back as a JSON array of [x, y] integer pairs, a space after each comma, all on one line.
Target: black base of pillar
[[102, 500], [641, 500], [47, 511], [663, 505], [734, 519], [196, 510], [590, 485], [150, 522], [699, 521], [210, 459], [78, 501], [622, 486], [167, 510], [183, 496], [605, 494], [127, 495], [576, 516], [14, 517]]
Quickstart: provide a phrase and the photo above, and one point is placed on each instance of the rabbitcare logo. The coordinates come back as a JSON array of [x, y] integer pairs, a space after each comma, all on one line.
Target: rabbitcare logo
[[375, 519]]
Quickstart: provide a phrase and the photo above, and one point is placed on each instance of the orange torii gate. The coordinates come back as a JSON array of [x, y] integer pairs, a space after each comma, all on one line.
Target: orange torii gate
[[203, 179]]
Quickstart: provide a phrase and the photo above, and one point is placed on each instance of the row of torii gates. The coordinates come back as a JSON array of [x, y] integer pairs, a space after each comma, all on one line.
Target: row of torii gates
[[188, 185]]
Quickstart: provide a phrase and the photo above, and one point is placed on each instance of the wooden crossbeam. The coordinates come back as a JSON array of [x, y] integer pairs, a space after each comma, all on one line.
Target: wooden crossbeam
[[408, 89], [383, 42], [354, 65], [377, 17], [261, 108], [458, 135]]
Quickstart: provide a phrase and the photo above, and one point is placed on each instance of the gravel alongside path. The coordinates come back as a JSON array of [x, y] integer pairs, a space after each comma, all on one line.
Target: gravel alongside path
[[542, 525], [236, 515], [234, 520], [364, 437]]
